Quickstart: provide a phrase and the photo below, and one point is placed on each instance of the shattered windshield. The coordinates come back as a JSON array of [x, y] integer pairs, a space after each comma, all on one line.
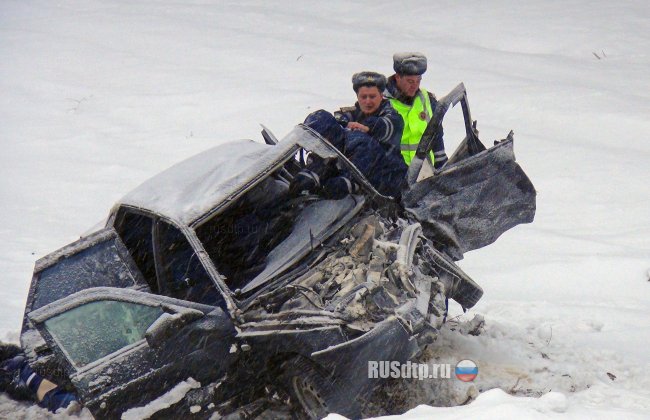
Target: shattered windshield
[[271, 227], [239, 239]]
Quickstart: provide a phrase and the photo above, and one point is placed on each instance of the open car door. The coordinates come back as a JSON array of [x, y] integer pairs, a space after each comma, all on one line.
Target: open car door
[[479, 194], [122, 348]]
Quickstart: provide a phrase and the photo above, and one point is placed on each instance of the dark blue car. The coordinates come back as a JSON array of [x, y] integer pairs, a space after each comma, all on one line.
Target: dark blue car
[[216, 276]]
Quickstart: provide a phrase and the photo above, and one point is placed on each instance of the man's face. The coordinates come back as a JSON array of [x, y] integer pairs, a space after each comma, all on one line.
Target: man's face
[[369, 98], [408, 85]]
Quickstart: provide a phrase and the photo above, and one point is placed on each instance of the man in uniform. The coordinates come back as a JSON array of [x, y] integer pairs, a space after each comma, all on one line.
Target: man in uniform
[[368, 134], [414, 104]]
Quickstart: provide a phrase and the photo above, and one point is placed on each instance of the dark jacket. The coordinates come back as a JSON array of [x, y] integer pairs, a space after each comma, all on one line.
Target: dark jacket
[[376, 154], [385, 124]]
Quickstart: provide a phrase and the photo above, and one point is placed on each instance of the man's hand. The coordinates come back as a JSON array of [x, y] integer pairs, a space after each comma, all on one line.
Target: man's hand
[[358, 127]]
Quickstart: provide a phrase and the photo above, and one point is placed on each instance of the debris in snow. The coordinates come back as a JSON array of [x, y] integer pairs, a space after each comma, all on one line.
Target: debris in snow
[[168, 399], [545, 333], [473, 327], [598, 56], [611, 376]]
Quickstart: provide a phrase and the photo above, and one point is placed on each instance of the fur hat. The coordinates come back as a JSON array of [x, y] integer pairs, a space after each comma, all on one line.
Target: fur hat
[[368, 78], [409, 63]]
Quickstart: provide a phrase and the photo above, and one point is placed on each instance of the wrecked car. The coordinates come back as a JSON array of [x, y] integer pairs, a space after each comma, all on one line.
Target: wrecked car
[[212, 271]]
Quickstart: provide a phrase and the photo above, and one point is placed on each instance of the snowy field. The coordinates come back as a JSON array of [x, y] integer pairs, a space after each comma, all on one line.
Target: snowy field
[[99, 95]]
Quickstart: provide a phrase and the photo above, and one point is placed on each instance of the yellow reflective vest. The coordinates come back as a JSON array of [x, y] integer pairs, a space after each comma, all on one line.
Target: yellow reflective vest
[[416, 117]]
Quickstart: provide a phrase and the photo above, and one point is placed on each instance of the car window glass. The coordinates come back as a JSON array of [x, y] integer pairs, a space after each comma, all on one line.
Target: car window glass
[[97, 329], [135, 230], [182, 271], [98, 265]]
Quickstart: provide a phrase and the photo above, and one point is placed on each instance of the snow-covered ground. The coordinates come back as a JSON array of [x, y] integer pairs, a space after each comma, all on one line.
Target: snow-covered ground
[[99, 95]]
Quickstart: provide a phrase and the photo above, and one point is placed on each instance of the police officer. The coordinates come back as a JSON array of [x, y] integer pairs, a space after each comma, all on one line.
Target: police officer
[[414, 104], [368, 134]]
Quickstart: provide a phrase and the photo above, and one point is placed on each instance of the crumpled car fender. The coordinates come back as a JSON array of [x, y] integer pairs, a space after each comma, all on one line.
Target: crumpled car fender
[[348, 362]]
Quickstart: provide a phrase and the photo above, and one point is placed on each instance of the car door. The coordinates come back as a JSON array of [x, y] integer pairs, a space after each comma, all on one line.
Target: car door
[[123, 348], [99, 259], [478, 195]]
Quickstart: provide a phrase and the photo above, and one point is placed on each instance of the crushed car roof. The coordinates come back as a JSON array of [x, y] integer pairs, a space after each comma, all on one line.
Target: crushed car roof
[[193, 187]]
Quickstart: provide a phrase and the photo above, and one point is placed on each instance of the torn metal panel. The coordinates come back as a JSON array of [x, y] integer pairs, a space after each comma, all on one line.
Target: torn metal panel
[[468, 205]]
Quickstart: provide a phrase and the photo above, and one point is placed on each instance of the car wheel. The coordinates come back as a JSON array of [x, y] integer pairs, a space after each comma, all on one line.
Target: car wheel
[[314, 393], [308, 392]]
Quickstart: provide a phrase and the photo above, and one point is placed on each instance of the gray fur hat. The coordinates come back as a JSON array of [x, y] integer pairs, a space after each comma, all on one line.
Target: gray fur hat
[[409, 63], [368, 78]]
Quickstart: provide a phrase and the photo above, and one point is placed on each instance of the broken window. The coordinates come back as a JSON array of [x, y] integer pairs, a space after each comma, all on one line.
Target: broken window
[[268, 230], [181, 271], [239, 239], [136, 230]]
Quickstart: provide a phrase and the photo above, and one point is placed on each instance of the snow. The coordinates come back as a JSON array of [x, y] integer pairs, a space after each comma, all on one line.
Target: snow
[[99, 96], [495, 403], [166, 400], [10, 409]]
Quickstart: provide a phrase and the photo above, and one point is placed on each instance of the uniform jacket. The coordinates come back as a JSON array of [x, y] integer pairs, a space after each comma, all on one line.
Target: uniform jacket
[[438, 147], [385, 124]]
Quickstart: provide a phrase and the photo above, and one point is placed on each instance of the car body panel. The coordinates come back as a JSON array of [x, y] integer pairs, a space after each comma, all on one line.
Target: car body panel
[[130, 370], [469, 204], [197, 187], [348, 361], [478, 194]]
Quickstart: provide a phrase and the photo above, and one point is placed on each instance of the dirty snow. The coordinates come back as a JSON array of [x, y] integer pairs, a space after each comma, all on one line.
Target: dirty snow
[[166, 400], [100, 95]]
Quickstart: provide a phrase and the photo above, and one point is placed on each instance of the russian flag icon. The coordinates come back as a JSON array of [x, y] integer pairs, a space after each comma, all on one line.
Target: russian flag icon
[[466, 370]]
